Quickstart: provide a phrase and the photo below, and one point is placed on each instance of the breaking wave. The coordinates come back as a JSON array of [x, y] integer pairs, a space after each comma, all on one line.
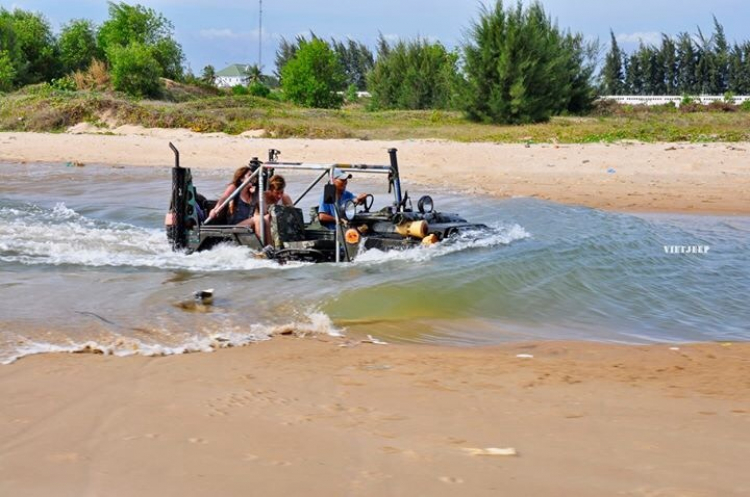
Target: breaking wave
[[164, 343]]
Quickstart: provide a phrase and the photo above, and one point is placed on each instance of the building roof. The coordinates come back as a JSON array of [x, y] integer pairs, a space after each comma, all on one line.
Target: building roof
[[234, 70]]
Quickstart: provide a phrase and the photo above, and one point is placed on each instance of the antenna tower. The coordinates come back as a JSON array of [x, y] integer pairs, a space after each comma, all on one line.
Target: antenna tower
[[260, 35]]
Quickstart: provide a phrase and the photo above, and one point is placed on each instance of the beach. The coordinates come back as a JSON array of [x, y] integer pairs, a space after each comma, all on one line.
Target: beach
[[312, 417], [321, 415], [647, 177]]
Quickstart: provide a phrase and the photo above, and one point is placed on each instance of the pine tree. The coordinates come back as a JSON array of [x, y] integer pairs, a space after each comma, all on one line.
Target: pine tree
[[668, 58], [613, 79], [720, 68], [634, 76], [520, 68], [687, 62]]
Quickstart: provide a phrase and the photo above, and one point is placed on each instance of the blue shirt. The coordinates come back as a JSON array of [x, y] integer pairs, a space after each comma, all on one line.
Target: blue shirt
[[324, 208]]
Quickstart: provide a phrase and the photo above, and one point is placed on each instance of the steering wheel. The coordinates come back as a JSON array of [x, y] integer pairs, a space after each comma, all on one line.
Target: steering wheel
[[367, 202]]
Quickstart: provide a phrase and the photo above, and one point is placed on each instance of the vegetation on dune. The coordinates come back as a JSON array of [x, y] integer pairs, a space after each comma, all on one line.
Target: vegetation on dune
[[43, 108], [518, 78]]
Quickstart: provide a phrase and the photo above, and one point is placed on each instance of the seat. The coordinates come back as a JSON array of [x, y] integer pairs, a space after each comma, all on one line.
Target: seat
[[287, 225]]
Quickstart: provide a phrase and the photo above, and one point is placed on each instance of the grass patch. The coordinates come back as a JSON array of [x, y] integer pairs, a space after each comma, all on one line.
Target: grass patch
[[44, 108]]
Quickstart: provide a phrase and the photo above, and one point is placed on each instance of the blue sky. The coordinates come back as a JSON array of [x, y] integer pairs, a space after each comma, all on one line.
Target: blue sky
[[222, 32]]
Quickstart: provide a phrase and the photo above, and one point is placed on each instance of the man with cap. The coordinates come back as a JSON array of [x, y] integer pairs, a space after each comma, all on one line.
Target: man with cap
[[326, 212]]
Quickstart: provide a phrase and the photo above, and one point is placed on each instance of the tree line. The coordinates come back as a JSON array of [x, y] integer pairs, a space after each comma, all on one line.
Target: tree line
[[682, 65], [516, 65], [136, 43]]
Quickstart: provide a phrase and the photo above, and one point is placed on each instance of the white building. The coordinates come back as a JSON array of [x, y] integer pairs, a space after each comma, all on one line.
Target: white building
[[236, 74]]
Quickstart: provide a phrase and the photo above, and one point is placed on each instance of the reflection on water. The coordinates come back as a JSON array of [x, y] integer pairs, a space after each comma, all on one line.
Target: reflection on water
[[83, 258]]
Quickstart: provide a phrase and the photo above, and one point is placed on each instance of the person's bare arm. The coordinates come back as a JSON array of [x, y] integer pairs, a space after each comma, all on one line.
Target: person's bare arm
[[229, 190]]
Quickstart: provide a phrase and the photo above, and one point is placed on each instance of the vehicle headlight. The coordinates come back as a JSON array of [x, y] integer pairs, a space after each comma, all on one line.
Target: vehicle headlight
[[350, 210], [425, 204]]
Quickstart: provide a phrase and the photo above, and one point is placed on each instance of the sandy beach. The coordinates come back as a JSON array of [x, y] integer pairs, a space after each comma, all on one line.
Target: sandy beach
[[681, 177], [309, 417], [336, 416]]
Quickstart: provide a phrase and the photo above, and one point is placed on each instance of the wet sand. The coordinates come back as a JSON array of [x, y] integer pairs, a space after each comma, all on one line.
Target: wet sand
[[328, 417], [681, 177], [311, 417]]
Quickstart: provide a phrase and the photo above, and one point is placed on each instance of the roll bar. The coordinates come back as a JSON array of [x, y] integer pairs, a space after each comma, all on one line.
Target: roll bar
[[394, 182]]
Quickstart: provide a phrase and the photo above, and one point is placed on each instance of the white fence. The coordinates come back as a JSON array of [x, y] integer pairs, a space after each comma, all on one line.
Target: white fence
[[665, 99]]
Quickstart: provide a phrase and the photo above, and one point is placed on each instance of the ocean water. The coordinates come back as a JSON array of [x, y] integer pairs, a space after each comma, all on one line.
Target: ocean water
[[85, 265]]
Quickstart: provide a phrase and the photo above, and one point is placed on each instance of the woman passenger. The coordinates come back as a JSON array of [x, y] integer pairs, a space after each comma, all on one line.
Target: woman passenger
[[273, 196], [243, 205]]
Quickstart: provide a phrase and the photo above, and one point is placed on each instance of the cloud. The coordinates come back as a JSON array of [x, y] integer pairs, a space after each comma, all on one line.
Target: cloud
[[230, 34], [649, 38], [219, 34]]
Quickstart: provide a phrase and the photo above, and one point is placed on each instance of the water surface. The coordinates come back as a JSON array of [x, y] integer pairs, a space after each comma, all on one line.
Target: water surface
[[84, 260]]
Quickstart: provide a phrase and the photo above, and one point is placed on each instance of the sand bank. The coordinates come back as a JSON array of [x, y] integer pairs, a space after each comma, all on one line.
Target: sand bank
[[306, 417], [701, 178]]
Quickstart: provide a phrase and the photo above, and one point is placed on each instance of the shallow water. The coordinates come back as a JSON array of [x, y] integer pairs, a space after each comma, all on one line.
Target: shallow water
[[84, 259]]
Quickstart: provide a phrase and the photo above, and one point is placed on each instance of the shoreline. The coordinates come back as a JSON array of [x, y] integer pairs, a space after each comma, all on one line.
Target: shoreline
[[328, 416], [293, 416], [711, 178]]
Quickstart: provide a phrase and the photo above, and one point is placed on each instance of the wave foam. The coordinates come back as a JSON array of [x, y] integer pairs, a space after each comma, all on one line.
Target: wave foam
[[498, 235], [317, 323]]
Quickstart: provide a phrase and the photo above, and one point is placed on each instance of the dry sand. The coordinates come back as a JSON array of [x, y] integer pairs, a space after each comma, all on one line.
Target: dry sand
[[302, 417], [310, 417], [701, 178]]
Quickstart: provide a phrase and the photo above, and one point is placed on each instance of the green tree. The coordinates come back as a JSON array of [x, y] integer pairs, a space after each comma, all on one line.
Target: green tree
[[687, 58], [254, 74], [719, 71], [612, 72], [313, 76], [208, 76], [34, 48], [135, 70], [137, 24], [7, 71], [580, 64], [668, 58], [704, 65], [77, 44], [520, 66], [414, 75], [356, 59], [634, 77], [10, 52], [287, 50]]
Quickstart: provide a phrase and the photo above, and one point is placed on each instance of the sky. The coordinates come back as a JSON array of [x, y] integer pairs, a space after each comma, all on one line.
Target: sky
[[223, 32]]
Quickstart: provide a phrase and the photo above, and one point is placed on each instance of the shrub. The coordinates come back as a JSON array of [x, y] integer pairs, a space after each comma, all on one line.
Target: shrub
[[240, 90], [414, 75], [96, 77], [258, 89], [66, 83], [135, 71]]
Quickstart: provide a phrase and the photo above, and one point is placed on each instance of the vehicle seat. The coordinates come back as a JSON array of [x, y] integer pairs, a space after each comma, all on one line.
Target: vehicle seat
[[287, 225], [315, 219]]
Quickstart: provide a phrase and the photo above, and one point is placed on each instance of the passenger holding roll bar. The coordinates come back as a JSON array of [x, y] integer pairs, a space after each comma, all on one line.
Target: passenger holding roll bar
[[273, 196], [326, 211], [243, 206]]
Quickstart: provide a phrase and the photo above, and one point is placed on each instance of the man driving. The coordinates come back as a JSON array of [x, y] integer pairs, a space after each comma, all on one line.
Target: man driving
[[326, 212]]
